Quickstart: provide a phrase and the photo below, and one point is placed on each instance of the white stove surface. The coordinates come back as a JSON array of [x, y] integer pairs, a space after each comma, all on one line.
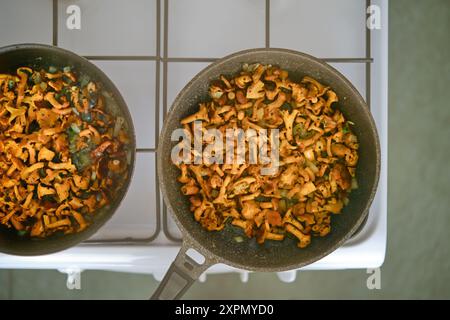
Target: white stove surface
[[121, 37]]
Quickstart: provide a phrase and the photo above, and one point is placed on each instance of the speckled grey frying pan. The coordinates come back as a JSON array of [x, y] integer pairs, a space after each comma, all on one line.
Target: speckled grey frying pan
[[42, 56], [221, 247]]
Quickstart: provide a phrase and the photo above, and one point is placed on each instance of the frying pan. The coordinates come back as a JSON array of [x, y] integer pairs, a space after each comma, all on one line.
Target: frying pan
[[43, 56], [221, 247]]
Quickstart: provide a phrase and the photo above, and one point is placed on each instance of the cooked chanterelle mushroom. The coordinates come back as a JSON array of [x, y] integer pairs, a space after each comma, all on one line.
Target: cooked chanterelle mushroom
[[318, 154], [63, 155]]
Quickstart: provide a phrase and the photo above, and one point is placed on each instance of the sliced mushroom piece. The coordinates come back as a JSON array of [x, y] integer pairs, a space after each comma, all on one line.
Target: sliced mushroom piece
[[289, 119], [307, 188], [44, 191], [299, 92], [62, 190], [304, 239], [90, 203], [331, 98], [62, 166], [27, 171], [281, 98], [45, 154], [201, 114], [256, 90], [58, 224], [242, 81], [274, 218], [257, 73], [289, 219], [334, 206], [250, 209], [339, 150], [189, 189], [241, 186], [81, 182], [339, 173], [321, 89], [50, 97], [351, 158], [80, 220], [76, 203]]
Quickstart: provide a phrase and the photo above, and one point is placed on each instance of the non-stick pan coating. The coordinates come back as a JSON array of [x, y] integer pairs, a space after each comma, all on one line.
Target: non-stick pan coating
[[272, 256]]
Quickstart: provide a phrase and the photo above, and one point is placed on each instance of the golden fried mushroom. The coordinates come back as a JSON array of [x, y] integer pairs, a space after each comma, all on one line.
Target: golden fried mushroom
[[63, 155], [318, 157]]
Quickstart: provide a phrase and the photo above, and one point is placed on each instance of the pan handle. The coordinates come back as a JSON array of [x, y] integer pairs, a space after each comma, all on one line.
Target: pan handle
[[182, 273]]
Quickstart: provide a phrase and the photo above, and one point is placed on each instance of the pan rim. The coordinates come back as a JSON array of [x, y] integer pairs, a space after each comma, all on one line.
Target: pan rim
[[188, 238]]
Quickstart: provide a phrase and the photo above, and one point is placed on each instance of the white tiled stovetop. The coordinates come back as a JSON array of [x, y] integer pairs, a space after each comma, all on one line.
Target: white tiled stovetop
[[202, 29]]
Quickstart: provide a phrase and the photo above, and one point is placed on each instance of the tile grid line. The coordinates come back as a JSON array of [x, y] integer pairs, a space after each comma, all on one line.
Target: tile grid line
[[55, 23], [267, 23], [368, 55], [165, 107], [207, 59], [157, 107]]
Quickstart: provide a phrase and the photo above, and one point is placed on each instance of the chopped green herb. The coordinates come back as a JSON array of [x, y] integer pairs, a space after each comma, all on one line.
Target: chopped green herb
[[82, 159], [84, 80], [36, 78], [22, 233], [345, 128], [11, 84], [290, 201], [33, 127], [282, 205], [86, 116], [66, 92], [75, 128], [238, 239], [66, 79], [42, 173], [249, 112], [214, 193], [263, 199], [299, 131], [286, 106], [52, 69], [72, 135]]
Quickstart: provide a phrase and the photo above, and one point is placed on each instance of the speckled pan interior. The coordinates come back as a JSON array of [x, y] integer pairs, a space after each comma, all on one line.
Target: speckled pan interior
[[272, 256]]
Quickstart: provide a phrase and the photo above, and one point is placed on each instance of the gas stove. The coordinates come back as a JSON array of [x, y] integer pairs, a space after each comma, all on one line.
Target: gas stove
[[150, 49]]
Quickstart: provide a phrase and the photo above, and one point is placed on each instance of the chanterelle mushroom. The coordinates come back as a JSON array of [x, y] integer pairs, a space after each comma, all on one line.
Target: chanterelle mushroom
[[250, 209], [201, 114], [45, 154], [44, 118], [307, 184], [255, 90], [44, 191], [288, 119], [62, 189]]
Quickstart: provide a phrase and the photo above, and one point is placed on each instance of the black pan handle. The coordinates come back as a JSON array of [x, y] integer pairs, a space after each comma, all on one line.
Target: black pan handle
[[182, 273]]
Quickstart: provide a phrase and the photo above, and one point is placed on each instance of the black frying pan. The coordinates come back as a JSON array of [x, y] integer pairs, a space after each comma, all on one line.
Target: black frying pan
[[221, 247], [43, 56]]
